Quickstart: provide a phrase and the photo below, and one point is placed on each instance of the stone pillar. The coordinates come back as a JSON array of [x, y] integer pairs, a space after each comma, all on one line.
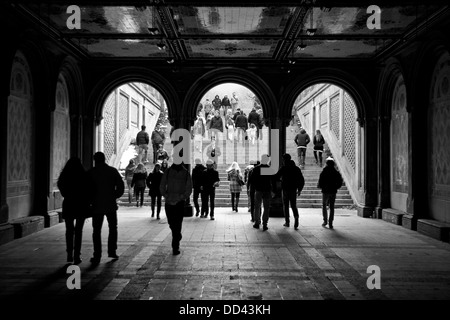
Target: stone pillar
[[4, 93], [384, 167], [184, 123], [276, 205], [369, 173]]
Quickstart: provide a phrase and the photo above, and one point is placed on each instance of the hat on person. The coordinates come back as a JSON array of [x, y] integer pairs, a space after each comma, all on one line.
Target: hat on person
[[329, 159], [198, 161], [209, 161]]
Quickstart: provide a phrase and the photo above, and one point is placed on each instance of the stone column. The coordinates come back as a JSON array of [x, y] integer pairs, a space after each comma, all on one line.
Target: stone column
[[276, 205], [384, 167], [184, 123], [369, 173]]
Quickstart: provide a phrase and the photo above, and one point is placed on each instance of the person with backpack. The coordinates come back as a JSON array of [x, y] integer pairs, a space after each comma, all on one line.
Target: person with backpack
[[330, 181]]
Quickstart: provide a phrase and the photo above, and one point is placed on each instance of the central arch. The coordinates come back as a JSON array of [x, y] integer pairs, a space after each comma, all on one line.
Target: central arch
[[224, 75]]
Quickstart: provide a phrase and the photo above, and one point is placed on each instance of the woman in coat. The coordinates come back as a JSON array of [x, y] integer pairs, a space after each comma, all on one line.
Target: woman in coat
[[318, 141], [129, 171], [138, 182], [74, 185], [234, 175], [153, 181]]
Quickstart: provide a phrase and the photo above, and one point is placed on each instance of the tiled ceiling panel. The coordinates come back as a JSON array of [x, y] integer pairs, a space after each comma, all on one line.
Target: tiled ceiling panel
[[231, 48], [232, 20], [98, 19], [353, 21], [121, 48], [339, 49]]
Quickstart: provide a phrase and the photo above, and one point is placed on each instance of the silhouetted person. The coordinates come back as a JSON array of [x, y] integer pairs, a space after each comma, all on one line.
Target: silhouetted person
[[74, 185], [301, 140], [107, 187], [176, 187], [318, 142], [292, 183], [241, 124], [142, 140], [209, 182], [129, 171], [196, 182], [153, 182], [234, 176], [264, 191], [138, 182], [330, 181], [158, 138]]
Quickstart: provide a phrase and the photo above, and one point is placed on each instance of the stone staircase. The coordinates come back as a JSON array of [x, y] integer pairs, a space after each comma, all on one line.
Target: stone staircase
[[311, 196]]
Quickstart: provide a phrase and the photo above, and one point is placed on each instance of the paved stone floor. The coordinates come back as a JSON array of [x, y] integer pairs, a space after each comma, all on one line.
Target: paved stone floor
[[227, 259]]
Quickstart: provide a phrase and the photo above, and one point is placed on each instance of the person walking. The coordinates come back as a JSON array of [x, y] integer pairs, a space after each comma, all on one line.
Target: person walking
[[213, 153], [301, 140], [153, 181], [234, 102], [74, 185], [216, 126], [162, 154], [142, 141], [207, 108], [229, 125], [138, 182], [330, 180], [217, 103], [196, 182], [129, 171], [158, 138], [176, 188], [318, 142], [292, 183], [241, 124], [255, 119], [107, 186], [264, 192], [236, 182], [209, 181], [225, 104]]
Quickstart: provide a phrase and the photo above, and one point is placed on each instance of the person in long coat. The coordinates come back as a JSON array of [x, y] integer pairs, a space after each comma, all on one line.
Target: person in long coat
[[234, 176], [74, 185], [153, 181], [138, 182]]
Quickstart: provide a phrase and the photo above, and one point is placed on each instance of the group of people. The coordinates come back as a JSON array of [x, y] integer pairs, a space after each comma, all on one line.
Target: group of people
[[157, 139], [94, 193], [302, 140], [91, 193], [224, 116]]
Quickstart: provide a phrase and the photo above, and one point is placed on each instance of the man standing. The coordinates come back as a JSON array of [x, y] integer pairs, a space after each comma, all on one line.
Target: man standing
[[253, 117], [142, 141], [158, 138], [209, 181], [292, 183], [196, 182], [330, 181], [264, 186], [176, 187], [301, 140], [234, 102], [108, 186]]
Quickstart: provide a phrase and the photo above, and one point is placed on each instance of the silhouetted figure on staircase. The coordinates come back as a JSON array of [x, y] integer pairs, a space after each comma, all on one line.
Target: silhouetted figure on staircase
[[209, 181]]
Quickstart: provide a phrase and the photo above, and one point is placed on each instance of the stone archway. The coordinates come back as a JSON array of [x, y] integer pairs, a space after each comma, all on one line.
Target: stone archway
[[20, 140], [439, 141]]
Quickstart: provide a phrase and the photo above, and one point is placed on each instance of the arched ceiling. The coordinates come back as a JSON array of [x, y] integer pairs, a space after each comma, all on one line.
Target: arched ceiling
[[209, 31]]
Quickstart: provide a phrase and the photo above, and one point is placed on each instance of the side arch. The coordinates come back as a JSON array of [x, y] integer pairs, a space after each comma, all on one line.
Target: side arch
[[363, 101], [112, 80]]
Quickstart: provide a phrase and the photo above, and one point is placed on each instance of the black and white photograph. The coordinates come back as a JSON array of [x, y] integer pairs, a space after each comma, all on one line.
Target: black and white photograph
[[225, 159]]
